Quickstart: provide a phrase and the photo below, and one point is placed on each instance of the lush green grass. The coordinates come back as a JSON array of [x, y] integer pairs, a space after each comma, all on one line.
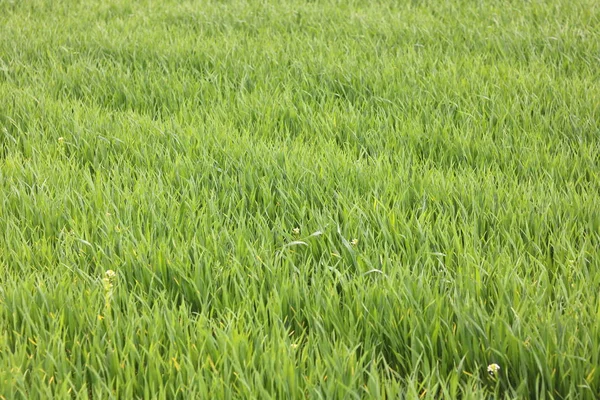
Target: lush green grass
[[181, 144]]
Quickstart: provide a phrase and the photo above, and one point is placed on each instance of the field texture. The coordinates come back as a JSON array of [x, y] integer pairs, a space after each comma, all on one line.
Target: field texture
[[286, 199]]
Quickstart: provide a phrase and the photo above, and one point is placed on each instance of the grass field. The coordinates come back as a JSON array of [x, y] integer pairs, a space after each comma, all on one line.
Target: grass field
[[322, 199]]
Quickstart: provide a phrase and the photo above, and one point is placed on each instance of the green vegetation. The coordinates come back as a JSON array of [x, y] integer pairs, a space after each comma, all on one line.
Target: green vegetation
[[299, 199]]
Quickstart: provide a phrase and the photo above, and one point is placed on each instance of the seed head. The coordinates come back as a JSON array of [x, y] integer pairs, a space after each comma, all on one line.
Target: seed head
[[109, 277]]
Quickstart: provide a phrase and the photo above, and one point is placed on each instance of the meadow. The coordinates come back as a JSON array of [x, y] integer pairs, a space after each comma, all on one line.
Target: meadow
[[299, 199]]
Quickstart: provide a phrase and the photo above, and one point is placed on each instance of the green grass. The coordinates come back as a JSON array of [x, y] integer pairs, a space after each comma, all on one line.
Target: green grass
[[181, 143]]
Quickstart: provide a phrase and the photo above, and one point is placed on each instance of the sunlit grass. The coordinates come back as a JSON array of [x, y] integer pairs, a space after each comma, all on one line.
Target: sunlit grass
[[299, 199]]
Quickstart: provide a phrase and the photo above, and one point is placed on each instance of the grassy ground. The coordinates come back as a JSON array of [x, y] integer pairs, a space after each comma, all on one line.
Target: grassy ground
[[299, 199]]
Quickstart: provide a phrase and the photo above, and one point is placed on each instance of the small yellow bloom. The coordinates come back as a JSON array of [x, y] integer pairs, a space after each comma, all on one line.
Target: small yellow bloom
[[61, 139], [493, 369], [296, 231], [354, 242]]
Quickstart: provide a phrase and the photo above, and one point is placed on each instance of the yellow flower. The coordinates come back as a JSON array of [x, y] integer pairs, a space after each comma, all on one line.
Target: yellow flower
[[354, 242], [296, 231], [493, 369]]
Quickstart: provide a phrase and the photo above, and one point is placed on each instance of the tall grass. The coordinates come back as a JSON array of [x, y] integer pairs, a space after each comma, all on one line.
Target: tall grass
[[299, 199]]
